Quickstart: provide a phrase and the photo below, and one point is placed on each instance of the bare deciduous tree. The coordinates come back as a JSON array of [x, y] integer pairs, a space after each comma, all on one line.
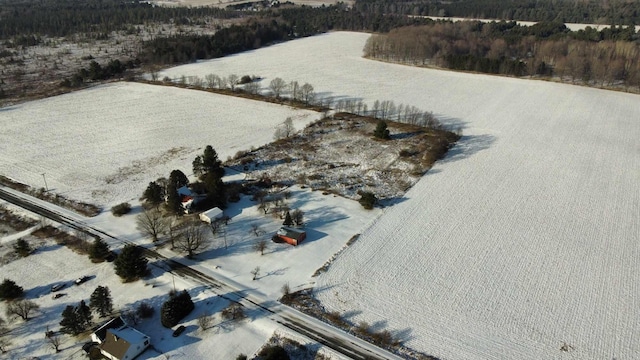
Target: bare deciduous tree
[[298, 217], [21, 308], [192, 239], [256, 230], [212, 80], [232, 80], [255, 272], [54, 342], [295, 90], [285, 130], [260, 246], [307, 93], [277, 86], [152, 223], [204, 321], [265, 205], [233, 312], [286, 290], [173, 230], [252, 87]]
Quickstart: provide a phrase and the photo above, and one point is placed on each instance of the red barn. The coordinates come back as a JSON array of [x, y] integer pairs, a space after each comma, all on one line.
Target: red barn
[[291, 236]]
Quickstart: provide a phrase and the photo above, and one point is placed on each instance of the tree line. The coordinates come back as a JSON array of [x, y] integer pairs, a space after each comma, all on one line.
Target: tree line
[[574, 11], [504, 48]]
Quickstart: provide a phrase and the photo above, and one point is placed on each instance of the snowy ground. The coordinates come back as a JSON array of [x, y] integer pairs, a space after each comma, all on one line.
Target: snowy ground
[[522, 240], [330, 222]]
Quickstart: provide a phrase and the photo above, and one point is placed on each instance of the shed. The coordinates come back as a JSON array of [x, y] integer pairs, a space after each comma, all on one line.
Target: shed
[[291, 236], [211, 215]]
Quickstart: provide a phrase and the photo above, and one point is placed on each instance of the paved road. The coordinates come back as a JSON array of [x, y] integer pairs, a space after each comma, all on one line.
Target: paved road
[[336, 339]]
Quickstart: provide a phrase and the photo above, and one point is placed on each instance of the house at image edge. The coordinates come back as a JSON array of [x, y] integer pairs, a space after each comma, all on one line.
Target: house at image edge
[[118, 341]]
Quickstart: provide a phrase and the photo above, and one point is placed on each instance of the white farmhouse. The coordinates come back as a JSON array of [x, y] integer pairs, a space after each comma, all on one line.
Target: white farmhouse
[[118, 341]]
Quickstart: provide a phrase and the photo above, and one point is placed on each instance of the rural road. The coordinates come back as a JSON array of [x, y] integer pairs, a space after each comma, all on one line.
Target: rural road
[[316, 330]]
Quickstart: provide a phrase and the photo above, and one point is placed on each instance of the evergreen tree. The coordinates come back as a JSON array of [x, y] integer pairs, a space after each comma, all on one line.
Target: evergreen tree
[[381, 131], [288, 221], [84, 314], [22, 248], [99, 250], [177, 307], [154, 194], [216, 190], [71, 322], [101, 302], [178, 179], [174, 202], [367, 199], [9, 290], [208, 163], [131, 263]]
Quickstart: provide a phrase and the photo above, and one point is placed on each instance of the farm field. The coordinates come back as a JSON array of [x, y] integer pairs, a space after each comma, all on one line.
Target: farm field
[[521, 244], [105, 144]]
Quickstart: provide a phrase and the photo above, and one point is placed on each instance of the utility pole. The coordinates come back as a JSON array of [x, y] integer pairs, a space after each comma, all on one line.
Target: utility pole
[[45, 182]]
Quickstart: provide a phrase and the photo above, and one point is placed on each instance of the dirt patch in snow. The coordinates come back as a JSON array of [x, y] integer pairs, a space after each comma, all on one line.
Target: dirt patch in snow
[[340, 155]]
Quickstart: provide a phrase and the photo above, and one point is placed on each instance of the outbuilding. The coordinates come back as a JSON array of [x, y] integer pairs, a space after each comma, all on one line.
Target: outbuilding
[[291, 236], [212, 215]]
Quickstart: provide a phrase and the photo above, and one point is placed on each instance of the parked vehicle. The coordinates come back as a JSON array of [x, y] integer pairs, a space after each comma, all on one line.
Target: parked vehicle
[[81, 280], [179, 331], [57, 287]]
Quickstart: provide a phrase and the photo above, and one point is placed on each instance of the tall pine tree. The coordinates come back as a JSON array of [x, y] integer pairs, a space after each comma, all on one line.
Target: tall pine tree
[[99, 250], [101, 302], [131, 264]]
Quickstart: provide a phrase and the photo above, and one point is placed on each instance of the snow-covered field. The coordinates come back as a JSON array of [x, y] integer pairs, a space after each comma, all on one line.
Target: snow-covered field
[[105, 144], [523, 240]]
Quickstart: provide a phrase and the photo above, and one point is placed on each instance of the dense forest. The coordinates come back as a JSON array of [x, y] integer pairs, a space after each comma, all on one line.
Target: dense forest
[[28, 18], [609, 12], [605, 58]]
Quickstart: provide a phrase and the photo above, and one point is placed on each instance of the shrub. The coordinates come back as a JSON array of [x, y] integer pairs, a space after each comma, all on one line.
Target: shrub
[[9, 290], [241, 357], [406, 153], [99, 250], [274, 353], [381, 131], [121, 209], [145, 310], [175, 309], [22, 248], [367, 199], [245, 79]]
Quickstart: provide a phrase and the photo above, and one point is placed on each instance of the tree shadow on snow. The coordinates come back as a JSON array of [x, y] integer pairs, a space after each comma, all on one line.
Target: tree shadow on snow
[[467, 146]]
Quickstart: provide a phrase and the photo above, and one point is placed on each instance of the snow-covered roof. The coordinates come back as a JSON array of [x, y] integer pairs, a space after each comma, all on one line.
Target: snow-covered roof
[[115, 323], [291, 233], [214, 213]]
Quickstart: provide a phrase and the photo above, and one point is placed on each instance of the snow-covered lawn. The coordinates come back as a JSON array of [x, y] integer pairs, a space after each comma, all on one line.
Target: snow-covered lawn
[[522, 240], [330, 222], [105, 144]]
